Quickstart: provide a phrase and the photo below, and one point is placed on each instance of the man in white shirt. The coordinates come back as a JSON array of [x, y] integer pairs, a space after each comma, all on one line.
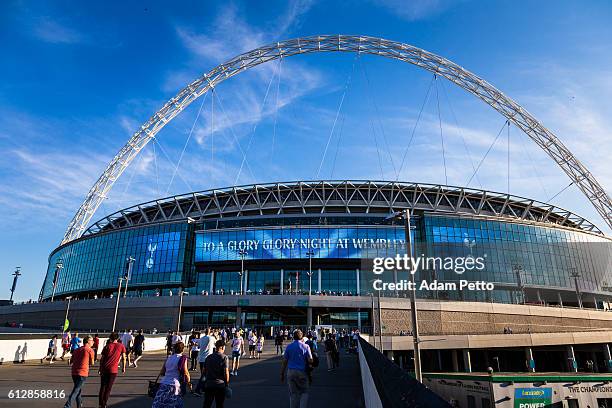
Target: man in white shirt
[[207, 347], [176, 337], [127, 340]]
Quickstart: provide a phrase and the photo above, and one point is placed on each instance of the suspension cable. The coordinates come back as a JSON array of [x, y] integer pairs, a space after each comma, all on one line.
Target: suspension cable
[[276, 110], [508, 157], [178, 163], [372, 101], [441, 133], [460, 130], [562, 190], [486, 154], [252, 135], [399, 171], [331, 133], [156, 169], [533, 166], [171, 163], [337, 147]]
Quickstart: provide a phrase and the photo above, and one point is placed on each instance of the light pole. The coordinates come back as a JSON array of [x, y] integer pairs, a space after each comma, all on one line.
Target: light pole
[[498, 366], [117, 303], [242, 254], [128, 273], [575, 274], [178, 324], [59, 265], [310, 254], [405, 214], [16, 275], [65, 326]]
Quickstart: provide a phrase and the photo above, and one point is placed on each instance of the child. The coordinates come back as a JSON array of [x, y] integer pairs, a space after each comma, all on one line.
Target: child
[[260, 343]]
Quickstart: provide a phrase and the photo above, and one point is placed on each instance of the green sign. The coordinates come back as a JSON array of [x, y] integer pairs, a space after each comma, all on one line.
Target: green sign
[[532, 397], [243, 302], [303, 303], [272, 323]]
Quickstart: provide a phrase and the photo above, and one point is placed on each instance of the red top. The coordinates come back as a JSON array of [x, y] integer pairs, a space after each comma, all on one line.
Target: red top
[[96, 342], [111, 354], [81, 359]]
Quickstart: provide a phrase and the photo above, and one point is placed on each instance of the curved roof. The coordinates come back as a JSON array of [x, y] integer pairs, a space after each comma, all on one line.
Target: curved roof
[[333, 197]]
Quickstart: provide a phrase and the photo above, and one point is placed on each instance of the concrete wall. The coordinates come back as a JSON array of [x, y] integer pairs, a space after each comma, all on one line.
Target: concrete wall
[[370, 394], [23, 348]]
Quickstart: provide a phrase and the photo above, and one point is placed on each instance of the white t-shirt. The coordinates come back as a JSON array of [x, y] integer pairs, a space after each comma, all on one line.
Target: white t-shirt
[[176, 338], [207, 345], [237, 343]]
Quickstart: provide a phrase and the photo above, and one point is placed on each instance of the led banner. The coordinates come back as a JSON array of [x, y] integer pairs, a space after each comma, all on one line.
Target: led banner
[[297, 243]]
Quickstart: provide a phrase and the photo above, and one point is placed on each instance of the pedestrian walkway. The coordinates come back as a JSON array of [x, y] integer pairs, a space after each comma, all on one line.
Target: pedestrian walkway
[[258, 383]]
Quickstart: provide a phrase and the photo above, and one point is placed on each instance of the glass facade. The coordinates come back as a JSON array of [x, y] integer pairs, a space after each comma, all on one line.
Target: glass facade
[[276, 257]]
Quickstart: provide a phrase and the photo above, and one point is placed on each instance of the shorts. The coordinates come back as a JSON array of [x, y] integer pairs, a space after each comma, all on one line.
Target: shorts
[[66, 346], [259, 351], [137, 352], [236, 355], [252, 347]]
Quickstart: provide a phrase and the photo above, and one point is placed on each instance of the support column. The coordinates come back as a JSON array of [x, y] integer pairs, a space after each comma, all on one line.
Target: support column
[[607, 357], [439, 360], [282, 284], [309, 317], [238, 317], [467, 361], [212, 282], [359, 320], [358, 283], [246, 280], [529, 359], [455, 359], [319, 279], [571, 359], [595, 302], [560, 299]]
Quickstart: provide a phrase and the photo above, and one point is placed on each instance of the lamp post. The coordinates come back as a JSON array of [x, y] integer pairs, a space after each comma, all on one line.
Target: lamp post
[[128, 273], [59, 265], [405, 214], [117, 303], [66, 316], [16, 275], [178, 324], [575, 274], [310, 254], [242, 254]]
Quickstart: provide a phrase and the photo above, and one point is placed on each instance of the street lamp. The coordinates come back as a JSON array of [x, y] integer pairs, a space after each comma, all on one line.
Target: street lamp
[[16, 275], [242, 254], [59, 265], [405, 214], [498, 366], [65, 326], [310, 254], [128, 273], [575, 274], [178, 324]]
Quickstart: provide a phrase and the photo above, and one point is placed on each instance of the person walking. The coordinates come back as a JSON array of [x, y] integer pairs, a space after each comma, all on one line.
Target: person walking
[[296, 359], [207, 347], [96, 345], [175, 379], [252, 337], [65, 343], [127, 339], [138, 347], [278, 342], [51, 350], [81, 359], [75, 343], [195, 350], [216, 371], [259, 345], [111, 354], [331, 351], [237, 351]]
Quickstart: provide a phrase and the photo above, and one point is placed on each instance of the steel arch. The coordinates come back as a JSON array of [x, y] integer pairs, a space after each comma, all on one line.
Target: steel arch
[[543, 137]]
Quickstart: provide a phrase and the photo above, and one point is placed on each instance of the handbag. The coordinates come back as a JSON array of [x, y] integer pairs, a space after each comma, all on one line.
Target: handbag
[[153, 387], [228, 392]]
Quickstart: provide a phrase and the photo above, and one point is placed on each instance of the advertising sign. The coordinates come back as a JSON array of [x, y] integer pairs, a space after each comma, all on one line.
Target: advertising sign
[[532, 397]]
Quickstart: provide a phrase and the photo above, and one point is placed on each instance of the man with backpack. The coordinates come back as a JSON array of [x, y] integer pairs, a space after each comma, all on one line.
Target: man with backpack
[[296, 360]]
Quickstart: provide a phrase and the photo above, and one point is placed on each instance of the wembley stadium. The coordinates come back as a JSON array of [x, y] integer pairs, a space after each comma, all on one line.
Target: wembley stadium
[[299, 254]]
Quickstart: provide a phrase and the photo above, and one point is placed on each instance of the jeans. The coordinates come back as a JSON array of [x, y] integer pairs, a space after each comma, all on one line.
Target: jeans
[[106, 385], [216, 394], [298, 388], [279, 349], [76, 391]]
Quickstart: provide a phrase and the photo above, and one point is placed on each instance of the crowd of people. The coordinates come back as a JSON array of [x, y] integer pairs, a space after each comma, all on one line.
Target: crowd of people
[[199, 350]]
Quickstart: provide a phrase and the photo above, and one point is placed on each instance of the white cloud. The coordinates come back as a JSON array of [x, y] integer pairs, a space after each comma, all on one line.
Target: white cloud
[[53, 32], [412, 10]]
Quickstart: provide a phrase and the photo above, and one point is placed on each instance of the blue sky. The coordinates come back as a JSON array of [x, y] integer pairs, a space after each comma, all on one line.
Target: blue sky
[[78, 79]]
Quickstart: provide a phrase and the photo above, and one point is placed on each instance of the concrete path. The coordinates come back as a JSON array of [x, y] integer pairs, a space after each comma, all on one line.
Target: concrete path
[[257, 383]]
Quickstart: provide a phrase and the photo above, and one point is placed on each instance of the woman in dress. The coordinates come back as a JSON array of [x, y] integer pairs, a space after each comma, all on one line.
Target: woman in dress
[[174, 380]]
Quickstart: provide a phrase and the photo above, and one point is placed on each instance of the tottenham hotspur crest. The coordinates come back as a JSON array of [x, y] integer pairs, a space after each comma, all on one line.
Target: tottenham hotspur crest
[[151, 251]]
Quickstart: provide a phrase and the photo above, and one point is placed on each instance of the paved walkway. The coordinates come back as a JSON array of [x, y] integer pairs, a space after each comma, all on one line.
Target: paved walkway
[[257, 383]]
